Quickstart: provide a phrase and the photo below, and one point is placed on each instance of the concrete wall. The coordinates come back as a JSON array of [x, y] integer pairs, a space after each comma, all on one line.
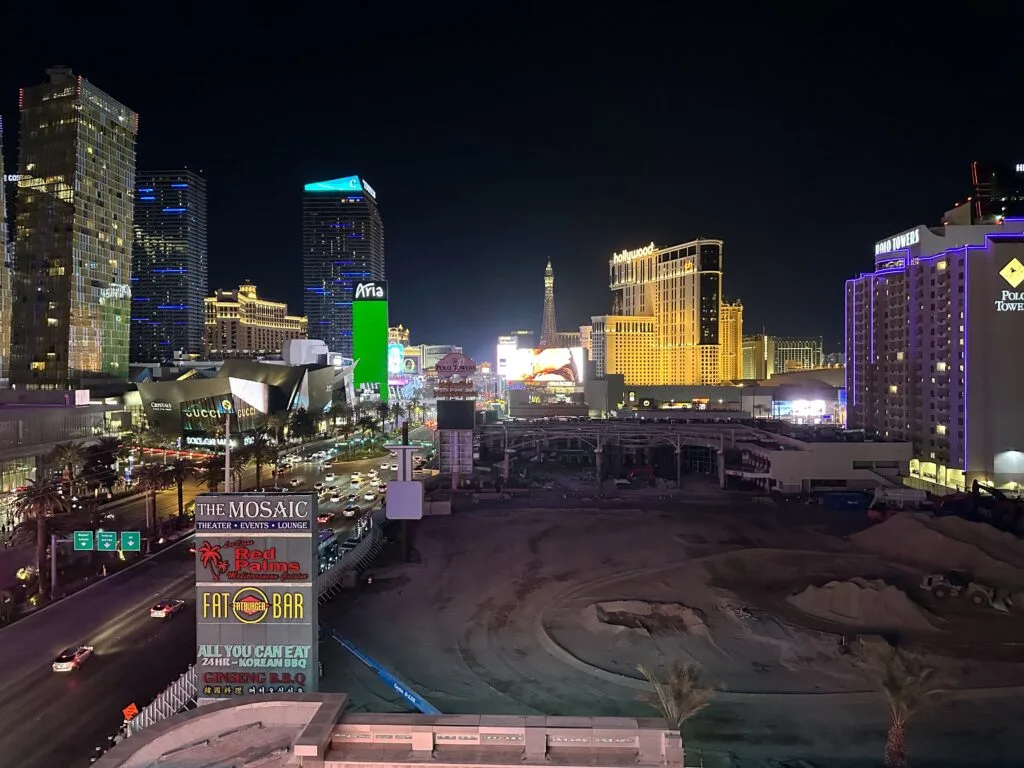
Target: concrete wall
[[793, 470]]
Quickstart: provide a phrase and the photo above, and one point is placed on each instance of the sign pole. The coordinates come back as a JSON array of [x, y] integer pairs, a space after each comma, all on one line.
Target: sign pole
[[53, 566], [227, 452]]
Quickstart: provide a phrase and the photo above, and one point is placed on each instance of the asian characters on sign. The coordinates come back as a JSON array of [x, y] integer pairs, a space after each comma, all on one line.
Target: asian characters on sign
[[551, 365]]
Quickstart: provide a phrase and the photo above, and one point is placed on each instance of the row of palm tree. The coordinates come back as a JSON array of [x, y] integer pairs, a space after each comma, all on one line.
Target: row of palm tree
[[907, 682]]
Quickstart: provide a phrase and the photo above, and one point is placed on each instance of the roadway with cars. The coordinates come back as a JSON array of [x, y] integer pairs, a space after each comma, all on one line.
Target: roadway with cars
[[51, 718]]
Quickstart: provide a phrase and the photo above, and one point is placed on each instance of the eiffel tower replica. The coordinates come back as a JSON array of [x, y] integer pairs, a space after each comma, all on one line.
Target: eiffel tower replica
[[548, 328]]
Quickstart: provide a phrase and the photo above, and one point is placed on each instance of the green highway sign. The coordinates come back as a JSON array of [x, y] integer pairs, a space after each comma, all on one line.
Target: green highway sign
[[106, 541], [131, 541], [83, 541]]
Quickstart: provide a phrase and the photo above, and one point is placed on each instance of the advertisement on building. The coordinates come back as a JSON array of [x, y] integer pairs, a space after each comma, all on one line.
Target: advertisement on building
[[200, 407], [504, 353], [370, 339], [549, 366], [396, 359], [411, 362], [256, 598]]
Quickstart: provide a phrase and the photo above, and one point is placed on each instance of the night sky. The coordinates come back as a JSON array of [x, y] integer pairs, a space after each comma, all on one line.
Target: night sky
[[495, 142]]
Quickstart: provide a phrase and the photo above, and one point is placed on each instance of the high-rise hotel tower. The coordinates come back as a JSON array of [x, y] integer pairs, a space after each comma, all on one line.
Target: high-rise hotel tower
[[342, 244], [169, 265], [73, 245], [670, 325], [932, 335]]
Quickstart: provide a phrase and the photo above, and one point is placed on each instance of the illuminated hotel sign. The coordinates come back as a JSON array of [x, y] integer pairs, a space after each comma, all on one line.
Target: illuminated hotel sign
[[899, 242], [1020, 167], [647, 250], [256, 594], [369, 190]]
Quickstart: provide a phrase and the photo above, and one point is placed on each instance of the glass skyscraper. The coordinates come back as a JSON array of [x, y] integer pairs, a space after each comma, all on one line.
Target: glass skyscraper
[[73, 234], [169, 265], [342, 244], [5, 268]]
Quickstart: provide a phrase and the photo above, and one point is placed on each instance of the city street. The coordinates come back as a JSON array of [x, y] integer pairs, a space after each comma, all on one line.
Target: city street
[[57, 719]]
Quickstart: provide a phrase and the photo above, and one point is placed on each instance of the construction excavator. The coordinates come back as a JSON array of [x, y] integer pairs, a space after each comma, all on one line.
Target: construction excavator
[[985, 504]]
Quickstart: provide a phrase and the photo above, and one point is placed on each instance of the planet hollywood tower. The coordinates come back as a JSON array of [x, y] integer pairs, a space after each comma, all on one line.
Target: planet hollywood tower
[[342, 244], [73, 246]]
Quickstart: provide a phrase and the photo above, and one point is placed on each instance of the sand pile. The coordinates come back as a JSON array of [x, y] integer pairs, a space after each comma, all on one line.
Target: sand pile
[[871, 604], [638, 615], [1000, 545], [933, 545]]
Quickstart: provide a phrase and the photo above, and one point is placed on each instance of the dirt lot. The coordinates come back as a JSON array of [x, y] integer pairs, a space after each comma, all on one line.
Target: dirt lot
[[512, 610]]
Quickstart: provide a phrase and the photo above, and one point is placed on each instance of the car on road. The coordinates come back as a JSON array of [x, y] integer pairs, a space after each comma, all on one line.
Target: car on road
[[382, 488], [369, 496], [167, 608], [353, 498], [351, 510], [295, 482], [394, 467], [335, 497], [324, 518], [330, 476], [318, 486], [384, 466], [72, 658]]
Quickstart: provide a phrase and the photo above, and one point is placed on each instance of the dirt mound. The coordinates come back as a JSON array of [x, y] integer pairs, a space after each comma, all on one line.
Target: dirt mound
[[649, 618], [1001, 545], [934, 544], [863, 603]]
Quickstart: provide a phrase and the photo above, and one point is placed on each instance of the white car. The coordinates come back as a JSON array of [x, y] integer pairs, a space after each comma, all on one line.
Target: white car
[[335, 498], [318, 486], [394, 467], [295, 482], [330, 476], [71, 659], [369, 496], [355, 483], [384, 466], [165, 609]]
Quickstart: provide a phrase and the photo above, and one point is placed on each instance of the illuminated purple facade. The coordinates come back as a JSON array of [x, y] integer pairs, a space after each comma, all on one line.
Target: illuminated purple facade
[[931, 339]]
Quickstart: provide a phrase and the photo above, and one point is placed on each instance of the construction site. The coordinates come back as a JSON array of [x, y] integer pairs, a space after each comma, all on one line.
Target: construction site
[[518, 609]]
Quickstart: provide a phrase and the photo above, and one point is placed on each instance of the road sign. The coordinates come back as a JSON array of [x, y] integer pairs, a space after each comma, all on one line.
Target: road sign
[[130, 711], [131, 541], [83, 541], [106, 541]]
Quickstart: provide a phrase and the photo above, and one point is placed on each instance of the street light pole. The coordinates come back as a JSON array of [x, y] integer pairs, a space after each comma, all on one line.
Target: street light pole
[[53, 566], [227, 453]]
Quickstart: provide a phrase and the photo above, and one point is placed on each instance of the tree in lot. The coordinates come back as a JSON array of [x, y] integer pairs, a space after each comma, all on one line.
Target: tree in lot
[[679, 696], [276, 424], [40, 500], [383, 411], [908, 683], [397, 413], [210, 472]]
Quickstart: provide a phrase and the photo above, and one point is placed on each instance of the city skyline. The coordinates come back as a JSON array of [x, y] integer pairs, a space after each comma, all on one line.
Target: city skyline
[[482, 189]]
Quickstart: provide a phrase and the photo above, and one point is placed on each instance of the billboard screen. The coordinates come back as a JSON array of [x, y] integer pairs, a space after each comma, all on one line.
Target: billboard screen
[[256, 596], [370, 338], [552, 365], [456, 414], [396, 359]]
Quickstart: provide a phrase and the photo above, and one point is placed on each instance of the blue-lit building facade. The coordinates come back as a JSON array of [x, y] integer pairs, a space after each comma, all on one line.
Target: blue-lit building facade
[[342, 244], [169, 265], [932, 334]]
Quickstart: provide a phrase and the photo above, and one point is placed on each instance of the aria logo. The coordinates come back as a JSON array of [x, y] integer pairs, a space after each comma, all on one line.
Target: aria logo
[[371, 291]]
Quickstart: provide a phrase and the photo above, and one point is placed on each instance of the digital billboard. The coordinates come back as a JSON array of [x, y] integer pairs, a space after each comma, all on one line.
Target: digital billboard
[[370, 337], [551, 365], [396, 359], [256, 595]]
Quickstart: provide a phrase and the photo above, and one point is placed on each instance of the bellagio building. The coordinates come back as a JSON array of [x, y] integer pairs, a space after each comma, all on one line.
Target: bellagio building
[[241, 324], [932, 340], [670, 325]]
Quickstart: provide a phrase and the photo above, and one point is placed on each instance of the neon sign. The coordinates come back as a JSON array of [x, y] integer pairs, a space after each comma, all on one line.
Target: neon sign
[[898, 243], [647, 250]]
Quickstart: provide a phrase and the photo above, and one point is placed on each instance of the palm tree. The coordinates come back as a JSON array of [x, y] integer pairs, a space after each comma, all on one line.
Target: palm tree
[[302, 424], [178, 471], [261, 452], [68, 456], [345, 432], [396, 412], [367, 426], [276, 422], [343, 411], [908, 683], [210, 472], [151, 478], [680, 696], [39, 501], [239, 462], [383, 411]]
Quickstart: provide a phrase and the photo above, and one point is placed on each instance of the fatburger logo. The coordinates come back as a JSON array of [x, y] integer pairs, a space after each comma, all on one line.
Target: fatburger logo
[[250, 605]]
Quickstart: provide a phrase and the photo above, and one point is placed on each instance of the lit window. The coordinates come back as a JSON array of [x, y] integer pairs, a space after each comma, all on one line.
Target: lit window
[[940, 429], [940, 367]]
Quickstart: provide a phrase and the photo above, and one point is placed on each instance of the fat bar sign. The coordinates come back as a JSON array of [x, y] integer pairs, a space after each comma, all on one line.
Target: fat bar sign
[[371, 290]]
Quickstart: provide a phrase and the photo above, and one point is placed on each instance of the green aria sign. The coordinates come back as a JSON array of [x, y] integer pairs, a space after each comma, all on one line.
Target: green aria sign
[[370, 337]]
